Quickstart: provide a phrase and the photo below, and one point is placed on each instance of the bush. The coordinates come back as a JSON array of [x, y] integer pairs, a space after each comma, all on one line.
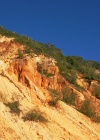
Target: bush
[[79, 88], [90, 74], [87, 109], [55, 97], [96, 91], [71, 77], [20, 54], [68, 96], [43, 71], [35, 115], [14, 107]]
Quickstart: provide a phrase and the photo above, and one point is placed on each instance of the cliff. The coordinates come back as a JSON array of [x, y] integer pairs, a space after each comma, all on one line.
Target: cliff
[[28, 83]]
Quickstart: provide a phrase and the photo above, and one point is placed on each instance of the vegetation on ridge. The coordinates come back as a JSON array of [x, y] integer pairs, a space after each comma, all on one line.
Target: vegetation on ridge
[[68, 65]]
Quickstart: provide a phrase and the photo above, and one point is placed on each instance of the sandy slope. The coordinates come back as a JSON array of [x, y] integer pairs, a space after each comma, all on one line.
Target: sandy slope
[[64, 122]]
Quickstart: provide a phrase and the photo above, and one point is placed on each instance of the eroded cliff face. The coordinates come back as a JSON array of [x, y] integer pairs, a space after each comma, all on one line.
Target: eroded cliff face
[[24, 80]]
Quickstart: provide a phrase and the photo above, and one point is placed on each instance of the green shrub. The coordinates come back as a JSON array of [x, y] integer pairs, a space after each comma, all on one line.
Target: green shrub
[[35, 115], [79, 88], [55, 97], [87, 68], [96, 91], [14, 107], [71, 77], [49, 74], [87, 109], [20, 54], [43, 71], [90, 74], [68, 96]]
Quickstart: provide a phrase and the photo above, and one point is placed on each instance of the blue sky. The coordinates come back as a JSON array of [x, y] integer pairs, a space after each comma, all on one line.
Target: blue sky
[[71, 25]]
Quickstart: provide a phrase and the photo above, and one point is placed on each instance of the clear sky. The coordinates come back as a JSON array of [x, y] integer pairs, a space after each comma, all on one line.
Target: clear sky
[[71, 25]]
